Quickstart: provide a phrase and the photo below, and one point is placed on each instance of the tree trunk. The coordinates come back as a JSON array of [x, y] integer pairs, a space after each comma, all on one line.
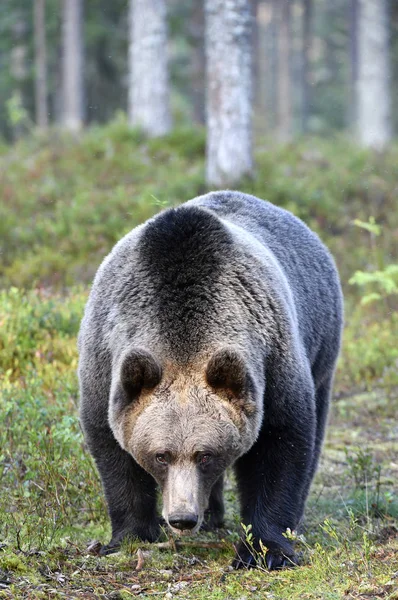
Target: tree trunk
[[373, 89], [263, 70], [149, 96], [19, 73], [72, 64], [306, 78], [40, 64], [229, 91], [353, 103], [198, 62], [284, 104]]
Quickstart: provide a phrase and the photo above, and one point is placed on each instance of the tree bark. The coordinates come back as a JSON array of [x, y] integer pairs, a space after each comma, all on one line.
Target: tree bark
[[373, 87], [198, 62], [19, 72], [307, 45], [284, 103], [149, 96], [229, 91], [263, 72], [353, 103], [40, 64], [72, 64]]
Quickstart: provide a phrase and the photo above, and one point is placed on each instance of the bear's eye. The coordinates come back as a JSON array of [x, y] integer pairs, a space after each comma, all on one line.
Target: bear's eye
[[204, 459], [161, 459]]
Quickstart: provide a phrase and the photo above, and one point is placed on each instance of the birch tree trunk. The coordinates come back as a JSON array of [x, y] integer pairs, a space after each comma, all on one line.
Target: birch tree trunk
[[72, 64], [19, 72], [353, 103], [306, 50], [373, 82], [198, 62], [229, 91], [149, 95], [40, 64], [284, 102], [263, 72]]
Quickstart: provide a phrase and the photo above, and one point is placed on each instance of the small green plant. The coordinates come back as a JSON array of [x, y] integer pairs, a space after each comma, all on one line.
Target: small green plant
[[17, 114], [249, 540], [362, 467], [385, 281], [382, 282]]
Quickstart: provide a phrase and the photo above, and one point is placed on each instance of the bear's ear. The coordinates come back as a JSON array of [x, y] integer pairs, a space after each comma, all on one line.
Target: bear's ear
[[227, 370], [140, 370]]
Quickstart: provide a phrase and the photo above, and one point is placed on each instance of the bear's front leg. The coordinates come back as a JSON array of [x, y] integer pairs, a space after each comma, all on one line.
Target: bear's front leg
[[129, 490], [273, 482], [214, 515]]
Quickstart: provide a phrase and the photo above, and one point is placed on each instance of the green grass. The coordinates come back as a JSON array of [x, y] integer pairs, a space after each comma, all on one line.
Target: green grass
[[64, 203], [52, 505]]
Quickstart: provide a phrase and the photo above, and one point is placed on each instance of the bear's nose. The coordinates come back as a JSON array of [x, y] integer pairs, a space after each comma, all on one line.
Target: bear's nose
[[183, 520]]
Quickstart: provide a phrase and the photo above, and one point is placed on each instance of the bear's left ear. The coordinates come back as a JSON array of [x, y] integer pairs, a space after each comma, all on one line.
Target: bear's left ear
[[227, 370]]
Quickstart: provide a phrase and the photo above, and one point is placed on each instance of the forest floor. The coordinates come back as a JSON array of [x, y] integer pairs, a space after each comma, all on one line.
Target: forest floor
[[64, 203], [348, 544]]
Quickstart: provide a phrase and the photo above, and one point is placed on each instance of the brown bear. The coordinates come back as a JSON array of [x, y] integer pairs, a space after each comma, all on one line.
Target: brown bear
[[210, 339]]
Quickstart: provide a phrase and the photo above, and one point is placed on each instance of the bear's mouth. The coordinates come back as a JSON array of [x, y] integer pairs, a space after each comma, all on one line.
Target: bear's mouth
[[184, 532]]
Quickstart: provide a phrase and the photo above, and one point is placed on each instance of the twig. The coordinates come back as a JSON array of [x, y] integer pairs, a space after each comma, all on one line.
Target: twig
[[140, 561], [177, 544]]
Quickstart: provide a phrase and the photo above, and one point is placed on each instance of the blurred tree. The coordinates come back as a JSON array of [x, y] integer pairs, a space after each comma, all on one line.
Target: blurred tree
[[284, 103], [330, 66], [18, 69], [263, 65], [72, 64], [40, 64], [353, 43], [106, 67], [373, 81], [308, 7], [229, 91], [198, 61], [149, 95], [105, 58]]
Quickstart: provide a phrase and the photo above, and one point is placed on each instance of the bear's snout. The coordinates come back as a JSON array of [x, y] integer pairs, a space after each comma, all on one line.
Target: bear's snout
[[183, 520]]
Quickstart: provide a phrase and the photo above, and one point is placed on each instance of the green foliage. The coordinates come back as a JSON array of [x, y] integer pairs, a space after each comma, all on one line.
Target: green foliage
[[37, 328], [17, 114], [370, 353], [362, 466], [370, 226], [378, 284], [386, 281], [66, 201], [47, 480]]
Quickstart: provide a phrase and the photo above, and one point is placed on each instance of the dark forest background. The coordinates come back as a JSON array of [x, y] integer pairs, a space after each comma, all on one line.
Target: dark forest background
[[323, 53]]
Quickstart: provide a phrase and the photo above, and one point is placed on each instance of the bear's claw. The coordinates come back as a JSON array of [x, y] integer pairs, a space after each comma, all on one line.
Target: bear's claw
[[274, 559]]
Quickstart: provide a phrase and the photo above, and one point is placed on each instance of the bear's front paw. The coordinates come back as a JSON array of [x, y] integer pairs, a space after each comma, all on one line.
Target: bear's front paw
[[213, 520], [146, 534], [274, 558]]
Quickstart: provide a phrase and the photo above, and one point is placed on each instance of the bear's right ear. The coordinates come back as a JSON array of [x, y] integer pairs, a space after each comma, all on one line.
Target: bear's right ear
[[140, 370]]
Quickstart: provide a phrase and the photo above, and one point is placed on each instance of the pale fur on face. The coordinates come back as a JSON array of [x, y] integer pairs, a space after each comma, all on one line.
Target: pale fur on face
[[185, 420]]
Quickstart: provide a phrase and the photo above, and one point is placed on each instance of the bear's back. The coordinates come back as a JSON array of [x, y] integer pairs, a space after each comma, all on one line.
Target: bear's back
[[306, 262], [184, 279]]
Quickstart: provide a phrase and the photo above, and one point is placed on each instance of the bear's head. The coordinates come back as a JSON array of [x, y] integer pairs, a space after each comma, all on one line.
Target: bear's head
[[185, 425]]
